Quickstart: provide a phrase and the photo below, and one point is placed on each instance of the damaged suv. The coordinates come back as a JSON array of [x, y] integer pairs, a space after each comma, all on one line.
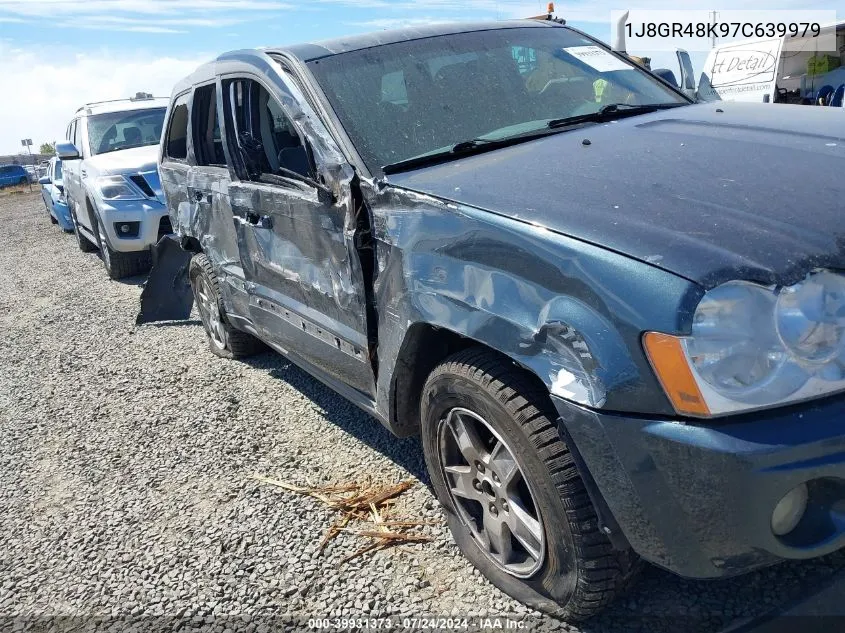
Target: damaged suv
[[619, 332]]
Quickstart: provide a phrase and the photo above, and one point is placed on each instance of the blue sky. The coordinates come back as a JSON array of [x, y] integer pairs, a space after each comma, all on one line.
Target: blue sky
[[58, 54]]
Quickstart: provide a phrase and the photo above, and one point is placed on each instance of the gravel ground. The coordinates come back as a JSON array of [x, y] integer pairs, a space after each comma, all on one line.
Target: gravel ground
[[125, 492]]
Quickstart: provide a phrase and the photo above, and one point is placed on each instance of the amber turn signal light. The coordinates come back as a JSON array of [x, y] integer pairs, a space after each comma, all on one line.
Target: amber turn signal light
[[670, 364]]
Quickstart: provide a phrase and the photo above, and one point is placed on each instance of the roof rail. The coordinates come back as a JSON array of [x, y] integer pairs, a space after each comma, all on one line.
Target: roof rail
[[139, 96]]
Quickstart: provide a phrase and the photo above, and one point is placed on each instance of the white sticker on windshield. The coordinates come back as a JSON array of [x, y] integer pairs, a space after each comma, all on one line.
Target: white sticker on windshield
[[598, 58]]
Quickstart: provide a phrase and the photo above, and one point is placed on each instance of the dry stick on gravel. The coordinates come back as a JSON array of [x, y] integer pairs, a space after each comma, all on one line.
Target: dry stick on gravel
[[362, 502]]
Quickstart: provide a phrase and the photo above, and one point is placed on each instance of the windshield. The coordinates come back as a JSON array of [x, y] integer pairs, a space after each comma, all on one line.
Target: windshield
[[404, 100], [122, 130]]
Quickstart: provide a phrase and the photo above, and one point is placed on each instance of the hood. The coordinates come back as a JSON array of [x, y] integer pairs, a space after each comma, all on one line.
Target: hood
[[134, 163], [125, 161], [710, 192]]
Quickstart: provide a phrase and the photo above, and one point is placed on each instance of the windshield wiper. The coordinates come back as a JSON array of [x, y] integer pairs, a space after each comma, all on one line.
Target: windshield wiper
[[462, 148], [612, 111]]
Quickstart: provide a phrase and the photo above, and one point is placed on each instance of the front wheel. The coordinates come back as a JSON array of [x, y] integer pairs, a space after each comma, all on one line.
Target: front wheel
[[85, 245], [120, 265], [516, 505]]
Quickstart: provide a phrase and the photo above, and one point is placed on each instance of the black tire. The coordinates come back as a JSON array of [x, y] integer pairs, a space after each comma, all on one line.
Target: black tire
[[227, 342], [579, 572], [85, 245], [121, 265], [52, 219]]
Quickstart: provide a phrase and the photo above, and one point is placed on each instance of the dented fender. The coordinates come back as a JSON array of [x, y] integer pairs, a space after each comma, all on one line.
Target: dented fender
[[570, 312]]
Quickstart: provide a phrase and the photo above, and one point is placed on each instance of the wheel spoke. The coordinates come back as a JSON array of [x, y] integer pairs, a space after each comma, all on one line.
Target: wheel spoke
[[460, 482], [525, 528], [499, 536], [470, 445]]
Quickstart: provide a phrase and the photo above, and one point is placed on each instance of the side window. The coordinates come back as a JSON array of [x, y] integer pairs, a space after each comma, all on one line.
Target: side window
[[77, 134], [176, 145], [71, 132], [208, 143], [263, 135]]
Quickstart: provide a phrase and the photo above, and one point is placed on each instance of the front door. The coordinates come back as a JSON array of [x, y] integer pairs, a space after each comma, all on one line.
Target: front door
[[297, 242]]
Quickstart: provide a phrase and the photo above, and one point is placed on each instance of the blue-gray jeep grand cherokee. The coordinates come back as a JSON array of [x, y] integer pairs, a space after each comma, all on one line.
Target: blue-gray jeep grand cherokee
[[615, 317]]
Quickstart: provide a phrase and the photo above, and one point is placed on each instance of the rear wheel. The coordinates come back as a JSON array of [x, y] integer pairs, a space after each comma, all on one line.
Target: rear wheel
[[515, 502], [223, 339]]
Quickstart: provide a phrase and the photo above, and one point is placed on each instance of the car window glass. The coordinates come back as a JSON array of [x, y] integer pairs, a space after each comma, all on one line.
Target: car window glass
[[115, 131], [208, 142], [264, 137], [57, 171], [411, 98], [177, 130]]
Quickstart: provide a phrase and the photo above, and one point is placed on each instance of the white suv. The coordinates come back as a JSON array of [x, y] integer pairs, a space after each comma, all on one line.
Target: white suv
[[112, 183]]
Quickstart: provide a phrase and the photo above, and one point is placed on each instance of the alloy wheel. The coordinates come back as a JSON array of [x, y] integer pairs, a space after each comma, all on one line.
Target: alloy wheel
[[210, 312], [490, 493]]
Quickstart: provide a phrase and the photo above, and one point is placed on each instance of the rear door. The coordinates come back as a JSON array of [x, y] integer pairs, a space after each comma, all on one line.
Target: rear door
[[296, 240], [207, 198], [72, 169], [174, 163]]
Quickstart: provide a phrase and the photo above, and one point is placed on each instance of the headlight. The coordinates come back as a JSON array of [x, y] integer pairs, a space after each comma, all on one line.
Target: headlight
[[810, 317], [753, 347], [118, 188]]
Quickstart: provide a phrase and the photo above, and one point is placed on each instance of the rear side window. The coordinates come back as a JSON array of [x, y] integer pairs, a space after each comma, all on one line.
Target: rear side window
[[208, 143], [71, 133], [177, 130]]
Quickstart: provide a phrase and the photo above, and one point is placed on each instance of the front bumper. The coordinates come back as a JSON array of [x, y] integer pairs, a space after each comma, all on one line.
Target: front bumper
[[150, 214], [697, 499]]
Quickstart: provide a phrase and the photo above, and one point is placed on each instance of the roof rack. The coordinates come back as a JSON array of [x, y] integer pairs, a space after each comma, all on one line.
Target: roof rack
[[139, 96]]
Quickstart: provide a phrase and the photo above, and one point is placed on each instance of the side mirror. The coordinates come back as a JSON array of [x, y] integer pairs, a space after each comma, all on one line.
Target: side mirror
[[67, 151], [44, 181], [666, 75]]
